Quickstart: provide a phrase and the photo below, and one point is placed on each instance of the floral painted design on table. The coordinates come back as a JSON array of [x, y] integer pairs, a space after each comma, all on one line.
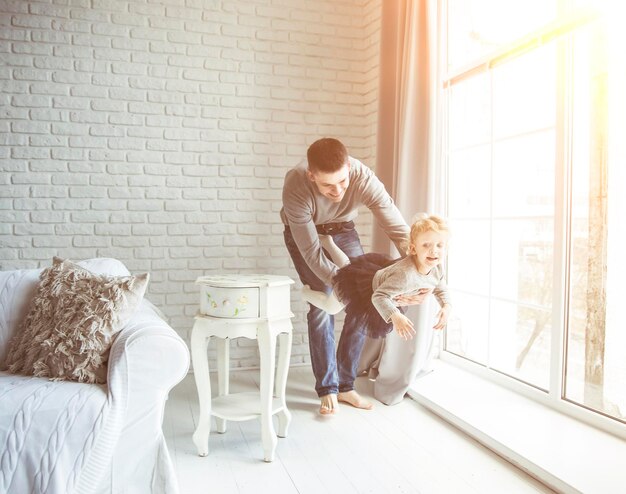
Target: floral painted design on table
[[225, 304]]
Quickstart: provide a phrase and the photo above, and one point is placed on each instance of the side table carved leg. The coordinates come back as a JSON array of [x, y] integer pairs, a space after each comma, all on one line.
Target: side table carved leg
[[199, 344], [284, 416], [267, 350], [223, 376]]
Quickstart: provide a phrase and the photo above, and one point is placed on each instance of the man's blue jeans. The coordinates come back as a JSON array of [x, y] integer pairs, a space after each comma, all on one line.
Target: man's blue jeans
[[334, 372]]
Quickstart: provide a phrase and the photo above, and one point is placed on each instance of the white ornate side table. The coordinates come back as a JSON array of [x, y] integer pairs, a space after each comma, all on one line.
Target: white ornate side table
[[243, 306]]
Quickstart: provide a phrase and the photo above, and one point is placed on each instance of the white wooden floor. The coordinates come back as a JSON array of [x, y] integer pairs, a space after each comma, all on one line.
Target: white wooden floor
[[398, 449]]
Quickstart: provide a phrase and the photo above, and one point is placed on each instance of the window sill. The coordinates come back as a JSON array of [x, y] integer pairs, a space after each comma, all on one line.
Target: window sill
[[560, 451]]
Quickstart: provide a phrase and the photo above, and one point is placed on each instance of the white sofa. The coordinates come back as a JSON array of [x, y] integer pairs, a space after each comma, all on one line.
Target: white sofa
[[67, 437]]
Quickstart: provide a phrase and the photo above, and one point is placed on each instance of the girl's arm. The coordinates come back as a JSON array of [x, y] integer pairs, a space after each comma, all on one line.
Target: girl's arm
[[443, 297], [394, 284]]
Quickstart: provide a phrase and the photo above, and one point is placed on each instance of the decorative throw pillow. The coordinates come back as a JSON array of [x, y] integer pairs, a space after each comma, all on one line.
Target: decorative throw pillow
[[73, 318]]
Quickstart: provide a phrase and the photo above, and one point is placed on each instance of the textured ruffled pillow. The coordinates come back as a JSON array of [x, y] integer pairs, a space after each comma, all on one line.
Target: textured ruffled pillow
[[72, 321]]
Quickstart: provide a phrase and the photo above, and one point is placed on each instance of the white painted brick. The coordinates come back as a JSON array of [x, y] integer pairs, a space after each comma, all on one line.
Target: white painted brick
[[159, 145], [68, 154], [165, 241], [129, 44], [70, 179], [123, 118], [125, 193], [172, 194], [165, 218], [129, 241], [25, 127], [68, 129], [71, 103], [91, 66], [87, 142], [111, 5], [91, 241], [105, 130], [39, 254], [107, 205], [31, 101], [14, 7], [86, 13], [33, 229], [189, 229], [128, 143], [127, 94], [14, 87], [143, 156], [199, 194], [153, 10], [109, 80], [91, 40], [31, 21], [151, 230], [29, 153], [156, 169], [108, 230], [64, 204], [180, 158], [127, 217], [141, 182]]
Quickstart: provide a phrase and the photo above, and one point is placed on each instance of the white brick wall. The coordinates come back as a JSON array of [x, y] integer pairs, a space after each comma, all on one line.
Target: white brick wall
[[159, 132]]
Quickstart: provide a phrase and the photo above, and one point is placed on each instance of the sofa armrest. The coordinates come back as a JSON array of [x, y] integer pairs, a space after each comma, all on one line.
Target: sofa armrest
[[147, 359], [148, 353]]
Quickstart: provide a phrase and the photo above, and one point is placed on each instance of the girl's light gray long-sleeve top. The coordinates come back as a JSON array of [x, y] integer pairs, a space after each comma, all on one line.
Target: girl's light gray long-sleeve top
[[403, 278]]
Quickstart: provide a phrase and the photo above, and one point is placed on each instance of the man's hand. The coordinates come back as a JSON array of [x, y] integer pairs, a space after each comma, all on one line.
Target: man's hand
[[403, 325], [416, 299]]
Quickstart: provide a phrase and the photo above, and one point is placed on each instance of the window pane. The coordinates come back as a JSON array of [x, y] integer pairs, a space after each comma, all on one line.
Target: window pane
[[478, 27], [596, 340], [470, 112], [470, 183], [469, 256], [524, 93], [520, 342], [467, 330], [523, 176], [522, 261]]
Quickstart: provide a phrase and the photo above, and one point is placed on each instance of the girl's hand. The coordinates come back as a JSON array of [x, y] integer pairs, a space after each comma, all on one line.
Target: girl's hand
[[442, 317], [403, 325]]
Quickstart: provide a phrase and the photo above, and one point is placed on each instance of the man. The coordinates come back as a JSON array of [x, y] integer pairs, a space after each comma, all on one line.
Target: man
[[323, 198]]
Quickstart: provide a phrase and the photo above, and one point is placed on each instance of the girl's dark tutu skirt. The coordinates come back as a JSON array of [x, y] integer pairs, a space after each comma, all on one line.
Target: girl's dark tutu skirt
[[353, 286]]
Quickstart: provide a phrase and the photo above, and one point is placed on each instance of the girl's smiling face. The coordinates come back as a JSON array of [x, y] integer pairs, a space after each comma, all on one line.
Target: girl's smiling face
[[429, 249]]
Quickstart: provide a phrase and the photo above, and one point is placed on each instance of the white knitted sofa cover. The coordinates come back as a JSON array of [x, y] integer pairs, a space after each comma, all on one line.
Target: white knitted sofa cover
[[65, 437]]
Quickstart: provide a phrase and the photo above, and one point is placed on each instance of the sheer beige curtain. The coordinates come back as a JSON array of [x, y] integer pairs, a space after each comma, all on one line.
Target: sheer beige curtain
[[406, 132]]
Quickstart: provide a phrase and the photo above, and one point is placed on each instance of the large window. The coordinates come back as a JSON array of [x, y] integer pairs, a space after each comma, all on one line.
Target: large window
[[533, 188]]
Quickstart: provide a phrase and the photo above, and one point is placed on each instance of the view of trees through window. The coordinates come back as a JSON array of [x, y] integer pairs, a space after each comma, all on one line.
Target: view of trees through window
[[533, 186]]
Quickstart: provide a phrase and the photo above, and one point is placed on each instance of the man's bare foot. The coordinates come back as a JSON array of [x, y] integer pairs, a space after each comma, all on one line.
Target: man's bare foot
[[355, 399], [328, 404]]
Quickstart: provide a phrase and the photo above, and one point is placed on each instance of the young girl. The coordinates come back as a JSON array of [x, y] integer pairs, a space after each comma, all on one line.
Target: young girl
[[367, 284]]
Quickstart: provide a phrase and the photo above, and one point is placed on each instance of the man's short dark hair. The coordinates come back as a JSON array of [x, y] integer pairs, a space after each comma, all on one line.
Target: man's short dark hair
[[327, 155]]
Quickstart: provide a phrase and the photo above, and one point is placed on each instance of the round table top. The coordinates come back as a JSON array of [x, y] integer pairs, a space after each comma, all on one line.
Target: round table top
[[244, 280]]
